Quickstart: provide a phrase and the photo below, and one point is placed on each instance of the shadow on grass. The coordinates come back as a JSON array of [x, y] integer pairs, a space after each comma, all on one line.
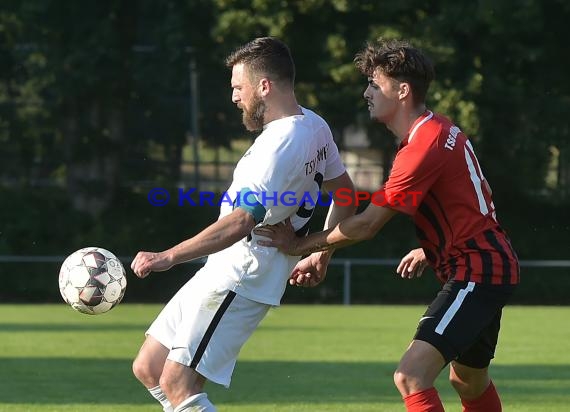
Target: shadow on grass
[[91, 326], [70, 327], [72, 381]]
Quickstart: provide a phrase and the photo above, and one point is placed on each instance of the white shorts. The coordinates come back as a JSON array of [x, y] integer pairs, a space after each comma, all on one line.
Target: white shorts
[[205, 327]]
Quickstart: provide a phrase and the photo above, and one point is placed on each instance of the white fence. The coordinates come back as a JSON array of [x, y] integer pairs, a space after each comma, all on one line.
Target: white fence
[[347, 265]]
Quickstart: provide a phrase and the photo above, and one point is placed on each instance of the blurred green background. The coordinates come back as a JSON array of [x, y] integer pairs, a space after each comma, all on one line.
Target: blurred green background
[[101, 101]]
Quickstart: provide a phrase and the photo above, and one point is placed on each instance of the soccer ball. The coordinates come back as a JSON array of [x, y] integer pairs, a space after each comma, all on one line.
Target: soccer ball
[[92, 280]]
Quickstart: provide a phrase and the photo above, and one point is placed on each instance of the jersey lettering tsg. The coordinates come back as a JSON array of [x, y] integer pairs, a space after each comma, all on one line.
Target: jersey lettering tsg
[[282, 171]]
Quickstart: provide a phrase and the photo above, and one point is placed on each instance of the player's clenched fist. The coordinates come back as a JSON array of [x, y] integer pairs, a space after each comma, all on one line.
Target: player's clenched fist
[[146, 262]]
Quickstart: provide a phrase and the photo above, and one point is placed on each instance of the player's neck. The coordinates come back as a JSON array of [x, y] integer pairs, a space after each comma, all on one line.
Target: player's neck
[[281, 107], [403, 121]]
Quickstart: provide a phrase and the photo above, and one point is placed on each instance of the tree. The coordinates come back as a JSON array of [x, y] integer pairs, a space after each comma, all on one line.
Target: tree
[[98, 92]]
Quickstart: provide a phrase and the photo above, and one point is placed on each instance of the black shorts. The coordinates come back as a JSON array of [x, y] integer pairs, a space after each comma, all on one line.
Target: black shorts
[[463, 321]]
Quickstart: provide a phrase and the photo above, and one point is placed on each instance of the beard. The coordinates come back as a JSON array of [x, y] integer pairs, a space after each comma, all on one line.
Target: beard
[[254, 118]]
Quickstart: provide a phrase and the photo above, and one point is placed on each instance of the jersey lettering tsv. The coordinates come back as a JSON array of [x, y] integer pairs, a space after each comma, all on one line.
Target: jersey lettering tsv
[[289, 159], [453, 213]]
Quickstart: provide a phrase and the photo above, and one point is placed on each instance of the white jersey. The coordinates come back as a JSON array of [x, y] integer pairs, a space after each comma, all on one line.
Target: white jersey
[[284, 167]]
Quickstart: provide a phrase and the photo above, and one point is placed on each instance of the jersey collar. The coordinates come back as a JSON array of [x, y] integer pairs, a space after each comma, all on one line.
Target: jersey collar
[[417, 124]]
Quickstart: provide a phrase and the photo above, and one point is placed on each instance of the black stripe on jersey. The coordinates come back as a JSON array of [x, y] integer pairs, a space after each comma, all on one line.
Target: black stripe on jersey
[[211, 328], [430, 217], [431, 257], [468, 269], [420, 233], [486, 261], [442, 212], [513, 253], [493, 241], [453, 267]]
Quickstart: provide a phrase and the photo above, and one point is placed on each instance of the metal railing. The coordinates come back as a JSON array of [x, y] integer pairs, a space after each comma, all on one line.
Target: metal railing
[[347, 265]]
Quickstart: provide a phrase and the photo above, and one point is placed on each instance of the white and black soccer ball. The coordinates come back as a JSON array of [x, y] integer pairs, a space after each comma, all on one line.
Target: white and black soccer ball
[[92, 280]]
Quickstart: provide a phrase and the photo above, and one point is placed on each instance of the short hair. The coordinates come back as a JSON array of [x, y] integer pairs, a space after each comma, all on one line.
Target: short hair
[[398, 60], [265, 57]]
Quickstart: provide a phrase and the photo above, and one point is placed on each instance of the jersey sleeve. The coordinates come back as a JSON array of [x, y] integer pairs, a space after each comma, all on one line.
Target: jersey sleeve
[[335, 167], [414, 171]]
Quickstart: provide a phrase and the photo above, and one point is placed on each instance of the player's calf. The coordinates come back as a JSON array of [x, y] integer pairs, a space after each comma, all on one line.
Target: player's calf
[[180, 382]]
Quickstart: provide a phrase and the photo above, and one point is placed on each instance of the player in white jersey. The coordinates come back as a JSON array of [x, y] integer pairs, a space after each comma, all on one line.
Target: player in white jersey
[[198, 335]]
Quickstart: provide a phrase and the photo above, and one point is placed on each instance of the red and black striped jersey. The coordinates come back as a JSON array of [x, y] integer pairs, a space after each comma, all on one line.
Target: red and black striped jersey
[[438, 176]]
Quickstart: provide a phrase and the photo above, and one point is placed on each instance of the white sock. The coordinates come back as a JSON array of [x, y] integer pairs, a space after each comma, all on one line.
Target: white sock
[[196, 403], [157, 394]]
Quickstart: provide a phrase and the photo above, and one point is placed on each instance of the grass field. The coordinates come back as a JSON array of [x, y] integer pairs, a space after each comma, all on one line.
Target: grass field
[[302, 358]]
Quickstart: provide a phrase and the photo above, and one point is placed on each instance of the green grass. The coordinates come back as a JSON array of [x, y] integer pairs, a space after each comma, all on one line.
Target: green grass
[[302, 358]]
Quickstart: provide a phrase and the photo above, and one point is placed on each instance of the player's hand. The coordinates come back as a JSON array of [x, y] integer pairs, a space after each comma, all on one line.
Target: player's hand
[[146, 262], [413, 264], [282, 236], [311, 271]]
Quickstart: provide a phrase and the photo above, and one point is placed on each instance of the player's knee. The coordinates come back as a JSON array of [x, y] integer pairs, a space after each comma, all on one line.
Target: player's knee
[[137, 369], [457, 384], [143, 372], [402, 381], [468, 389], [464, 390], [409, 381], [469, 383]]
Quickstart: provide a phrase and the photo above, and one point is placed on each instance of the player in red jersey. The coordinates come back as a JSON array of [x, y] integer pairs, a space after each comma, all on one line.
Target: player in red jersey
[[439, 182]]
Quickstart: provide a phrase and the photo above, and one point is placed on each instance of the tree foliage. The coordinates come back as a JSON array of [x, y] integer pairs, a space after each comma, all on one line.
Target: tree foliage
[[98, 92]]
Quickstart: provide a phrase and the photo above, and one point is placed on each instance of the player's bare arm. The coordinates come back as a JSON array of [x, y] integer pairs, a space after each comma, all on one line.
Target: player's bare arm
[[218, 236], [312, 270], [413, 264], [351, 230]]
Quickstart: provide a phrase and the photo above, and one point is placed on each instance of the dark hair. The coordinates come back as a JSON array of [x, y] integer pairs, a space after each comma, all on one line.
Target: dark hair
[[400, 61], [265, 56]]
